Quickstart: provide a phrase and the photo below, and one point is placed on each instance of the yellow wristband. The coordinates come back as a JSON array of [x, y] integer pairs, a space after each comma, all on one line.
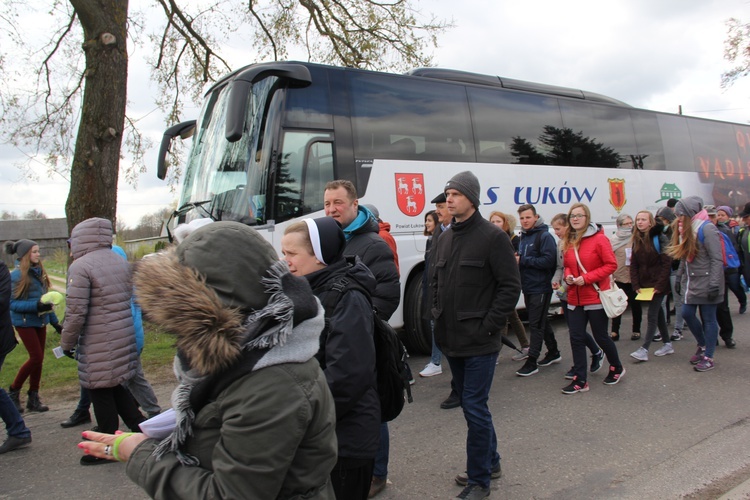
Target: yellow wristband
[[116, 446]]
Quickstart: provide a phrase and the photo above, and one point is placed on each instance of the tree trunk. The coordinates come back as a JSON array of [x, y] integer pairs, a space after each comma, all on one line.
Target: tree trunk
[[96, 160]]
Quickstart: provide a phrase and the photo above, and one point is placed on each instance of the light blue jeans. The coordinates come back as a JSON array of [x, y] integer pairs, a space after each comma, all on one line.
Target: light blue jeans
[[707, 332]]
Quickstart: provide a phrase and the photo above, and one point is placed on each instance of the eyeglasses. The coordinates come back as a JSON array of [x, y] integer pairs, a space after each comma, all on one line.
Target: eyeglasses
[[577, 216]]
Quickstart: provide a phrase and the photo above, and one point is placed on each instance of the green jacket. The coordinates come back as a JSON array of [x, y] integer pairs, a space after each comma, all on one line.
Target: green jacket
[[262, 420], [254, 441]]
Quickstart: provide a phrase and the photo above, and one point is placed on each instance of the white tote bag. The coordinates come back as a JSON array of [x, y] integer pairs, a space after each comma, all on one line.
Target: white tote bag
[[614, 300]]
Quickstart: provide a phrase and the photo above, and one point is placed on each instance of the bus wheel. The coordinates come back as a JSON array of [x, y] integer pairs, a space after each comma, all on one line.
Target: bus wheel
[[417, 334]]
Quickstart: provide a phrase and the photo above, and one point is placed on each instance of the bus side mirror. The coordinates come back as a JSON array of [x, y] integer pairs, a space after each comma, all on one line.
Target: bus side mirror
[[184, 130]]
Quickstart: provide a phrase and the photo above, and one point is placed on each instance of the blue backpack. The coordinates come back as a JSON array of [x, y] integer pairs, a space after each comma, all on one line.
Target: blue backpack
[[728, 252]]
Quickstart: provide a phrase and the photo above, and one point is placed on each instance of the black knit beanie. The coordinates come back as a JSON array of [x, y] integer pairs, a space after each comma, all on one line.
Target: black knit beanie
[[467, 184], [20, 247], [327, 238], [234, 259]]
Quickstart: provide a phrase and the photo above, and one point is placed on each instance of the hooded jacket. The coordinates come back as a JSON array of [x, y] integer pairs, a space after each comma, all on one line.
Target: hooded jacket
[[364, 241], [347, 356], [255, 416], [475, 285], [537, 259], [597, 257], [702, 279], [8, 340], [98, 320], [23, 310], [649, 268]]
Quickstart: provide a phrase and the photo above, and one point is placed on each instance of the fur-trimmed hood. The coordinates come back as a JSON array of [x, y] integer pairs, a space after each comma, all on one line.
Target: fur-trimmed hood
[[217, 343], [211, 336]]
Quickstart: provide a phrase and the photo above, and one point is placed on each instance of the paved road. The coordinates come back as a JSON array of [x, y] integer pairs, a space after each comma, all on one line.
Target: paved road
[[665, 431]]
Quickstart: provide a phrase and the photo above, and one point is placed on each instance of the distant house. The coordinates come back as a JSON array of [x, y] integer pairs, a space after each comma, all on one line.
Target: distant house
[[50, 234]]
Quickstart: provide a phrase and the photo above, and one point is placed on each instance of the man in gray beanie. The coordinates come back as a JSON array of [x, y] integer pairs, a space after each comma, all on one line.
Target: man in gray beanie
[[467, 184], [474, 292]]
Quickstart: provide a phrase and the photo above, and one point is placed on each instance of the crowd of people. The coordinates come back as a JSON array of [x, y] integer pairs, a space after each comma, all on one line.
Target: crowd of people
[[277, 393]]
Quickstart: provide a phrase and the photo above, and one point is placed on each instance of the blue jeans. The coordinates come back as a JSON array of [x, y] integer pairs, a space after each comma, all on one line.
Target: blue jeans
[[14, 423], [707, 332], [473, 378], [437, 356], [380, 469]]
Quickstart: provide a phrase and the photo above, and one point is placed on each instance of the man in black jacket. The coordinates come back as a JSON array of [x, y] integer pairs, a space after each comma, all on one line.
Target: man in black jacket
[[537, 261], [18, 434], [362, 239], [476, 286]]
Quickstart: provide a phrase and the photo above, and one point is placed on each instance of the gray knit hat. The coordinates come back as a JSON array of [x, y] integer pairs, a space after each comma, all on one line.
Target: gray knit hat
[[234, 258], [467, 184], [666, 213], [20, 247]]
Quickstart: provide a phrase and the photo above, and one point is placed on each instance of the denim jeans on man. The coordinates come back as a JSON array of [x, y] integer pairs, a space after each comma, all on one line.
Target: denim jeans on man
[[380, 468], [473, 380], [537, 307], [707, 332], [437, 356], [14, 423]]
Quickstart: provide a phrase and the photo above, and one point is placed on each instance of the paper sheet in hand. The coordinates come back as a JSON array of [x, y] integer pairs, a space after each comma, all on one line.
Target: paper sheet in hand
[[645, 294], [160, 426]]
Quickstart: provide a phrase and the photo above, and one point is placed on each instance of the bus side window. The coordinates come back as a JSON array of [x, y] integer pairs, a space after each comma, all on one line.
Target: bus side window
[[318, 172]]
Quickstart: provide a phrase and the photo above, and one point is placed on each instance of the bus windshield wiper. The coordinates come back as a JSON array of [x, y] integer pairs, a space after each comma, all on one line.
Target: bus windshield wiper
[[185, 208]]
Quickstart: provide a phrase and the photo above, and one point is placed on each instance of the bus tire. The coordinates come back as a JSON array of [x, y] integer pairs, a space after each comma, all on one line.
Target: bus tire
[[417, 334]]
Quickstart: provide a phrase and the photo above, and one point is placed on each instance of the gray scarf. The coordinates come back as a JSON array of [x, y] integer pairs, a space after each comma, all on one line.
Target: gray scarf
[[270, 329]]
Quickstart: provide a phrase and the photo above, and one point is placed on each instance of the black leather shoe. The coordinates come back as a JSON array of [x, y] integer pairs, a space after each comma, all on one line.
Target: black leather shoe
[[730, 343], [13, 443], [453, 401], [77, 418]]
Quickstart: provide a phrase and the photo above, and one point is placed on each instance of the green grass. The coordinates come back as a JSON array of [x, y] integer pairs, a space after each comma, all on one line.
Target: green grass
[[61, 375]]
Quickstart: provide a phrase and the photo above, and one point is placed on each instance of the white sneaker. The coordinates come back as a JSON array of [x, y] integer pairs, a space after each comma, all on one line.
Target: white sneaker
[[664, 350], [641, 354], [521, 355], [430, 370]]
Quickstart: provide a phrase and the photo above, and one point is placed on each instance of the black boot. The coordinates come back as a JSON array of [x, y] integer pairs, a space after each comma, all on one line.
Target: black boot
[[34, 404], [15, 396], [77, 418]]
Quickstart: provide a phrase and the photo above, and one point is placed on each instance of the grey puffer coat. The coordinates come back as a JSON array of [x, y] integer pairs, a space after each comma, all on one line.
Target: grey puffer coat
[[98, 321]]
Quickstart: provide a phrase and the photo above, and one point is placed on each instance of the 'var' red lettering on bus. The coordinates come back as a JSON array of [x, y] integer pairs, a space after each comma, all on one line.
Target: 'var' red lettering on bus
[[705, 167]]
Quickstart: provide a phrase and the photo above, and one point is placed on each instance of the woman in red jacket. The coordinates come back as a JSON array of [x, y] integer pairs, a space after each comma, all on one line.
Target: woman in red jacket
[[588, 258]]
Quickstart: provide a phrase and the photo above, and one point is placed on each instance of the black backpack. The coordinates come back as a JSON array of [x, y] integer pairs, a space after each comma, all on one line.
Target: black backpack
[[393, 372]]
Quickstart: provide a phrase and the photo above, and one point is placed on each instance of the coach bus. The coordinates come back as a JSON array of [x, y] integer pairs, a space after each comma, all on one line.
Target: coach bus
[[271, 135]]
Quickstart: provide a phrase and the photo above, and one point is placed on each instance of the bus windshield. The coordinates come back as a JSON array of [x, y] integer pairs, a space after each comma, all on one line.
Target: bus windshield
[[227, 180]]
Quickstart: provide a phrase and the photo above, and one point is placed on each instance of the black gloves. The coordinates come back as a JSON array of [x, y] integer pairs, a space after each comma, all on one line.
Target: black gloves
[[713, 293], [678, 287], [71, 353], [42, 307], [57, 327]]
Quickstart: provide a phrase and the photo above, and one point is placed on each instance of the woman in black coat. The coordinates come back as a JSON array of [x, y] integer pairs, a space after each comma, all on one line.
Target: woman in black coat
[[314, 248]]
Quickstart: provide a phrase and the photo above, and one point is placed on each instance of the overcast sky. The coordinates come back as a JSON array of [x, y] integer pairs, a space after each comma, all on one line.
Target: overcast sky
[[654, 54]]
